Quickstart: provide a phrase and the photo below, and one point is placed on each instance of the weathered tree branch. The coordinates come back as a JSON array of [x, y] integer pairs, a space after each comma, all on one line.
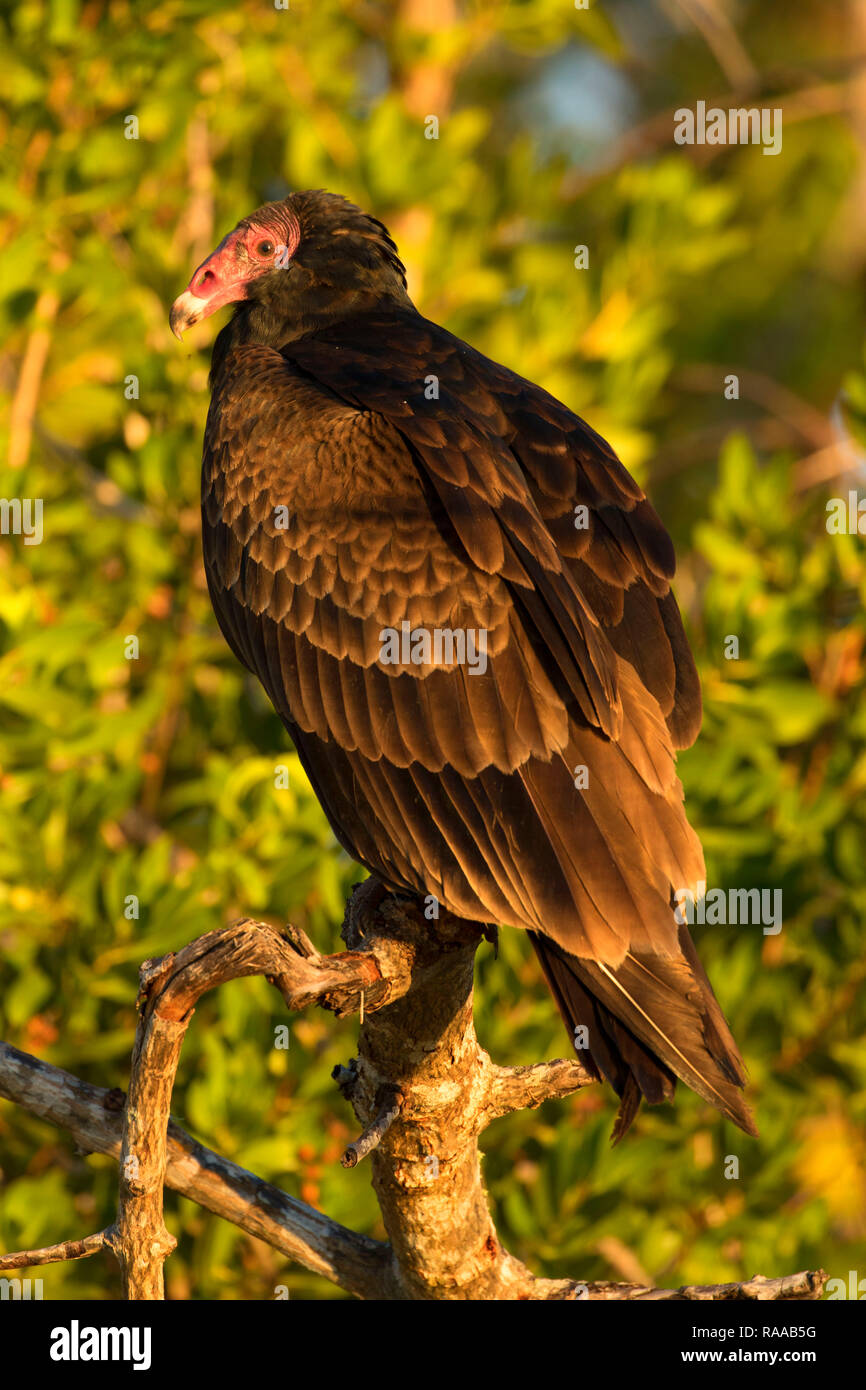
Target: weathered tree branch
[[55, 1254], [525, 1088], [421, 1087], [354, 1262]]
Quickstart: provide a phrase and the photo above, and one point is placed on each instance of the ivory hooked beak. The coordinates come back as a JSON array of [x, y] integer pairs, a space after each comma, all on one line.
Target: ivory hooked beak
[[185, 311]]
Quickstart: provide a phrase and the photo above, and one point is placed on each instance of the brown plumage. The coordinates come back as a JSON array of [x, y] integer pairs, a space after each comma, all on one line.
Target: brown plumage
[[365, 469]]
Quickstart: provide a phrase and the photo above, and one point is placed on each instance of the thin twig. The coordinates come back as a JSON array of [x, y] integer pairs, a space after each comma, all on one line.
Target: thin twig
[[524, 1088], [30, 378], [391, 1103], [55, 1254]]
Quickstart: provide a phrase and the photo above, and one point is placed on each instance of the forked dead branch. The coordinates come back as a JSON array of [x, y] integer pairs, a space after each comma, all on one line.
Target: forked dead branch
[[422, 1090]]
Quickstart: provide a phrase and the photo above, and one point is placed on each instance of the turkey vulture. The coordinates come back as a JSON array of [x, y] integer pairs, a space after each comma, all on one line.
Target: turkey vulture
[[459, 604]]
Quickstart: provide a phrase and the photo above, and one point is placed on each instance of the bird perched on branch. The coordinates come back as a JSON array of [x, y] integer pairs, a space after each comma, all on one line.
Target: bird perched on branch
[[459, 603]]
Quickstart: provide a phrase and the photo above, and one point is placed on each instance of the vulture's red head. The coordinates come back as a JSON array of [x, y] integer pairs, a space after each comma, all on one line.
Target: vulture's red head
[[292, 265]]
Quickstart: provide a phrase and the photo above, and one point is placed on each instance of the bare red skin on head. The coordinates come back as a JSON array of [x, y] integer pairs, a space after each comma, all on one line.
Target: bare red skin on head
[[223, 277]]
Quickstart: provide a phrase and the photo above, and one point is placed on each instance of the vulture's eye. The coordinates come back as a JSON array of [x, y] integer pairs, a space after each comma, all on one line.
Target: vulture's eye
[[265, 248]]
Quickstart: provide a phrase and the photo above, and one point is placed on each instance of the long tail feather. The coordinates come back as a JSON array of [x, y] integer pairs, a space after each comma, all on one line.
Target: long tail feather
[[649, 1021]]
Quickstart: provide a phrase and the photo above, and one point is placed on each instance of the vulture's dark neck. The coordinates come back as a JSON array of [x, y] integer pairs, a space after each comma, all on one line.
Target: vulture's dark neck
[[278, 320]]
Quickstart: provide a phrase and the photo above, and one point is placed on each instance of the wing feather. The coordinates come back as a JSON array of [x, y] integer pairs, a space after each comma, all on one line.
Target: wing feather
[[460, 513]]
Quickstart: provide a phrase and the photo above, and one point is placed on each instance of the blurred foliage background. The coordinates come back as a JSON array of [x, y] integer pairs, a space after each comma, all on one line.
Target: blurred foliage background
[[155, 777]]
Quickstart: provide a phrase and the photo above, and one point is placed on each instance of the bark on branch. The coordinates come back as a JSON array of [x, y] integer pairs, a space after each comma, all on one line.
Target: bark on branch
[[299, 1232], [421, 1087]]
